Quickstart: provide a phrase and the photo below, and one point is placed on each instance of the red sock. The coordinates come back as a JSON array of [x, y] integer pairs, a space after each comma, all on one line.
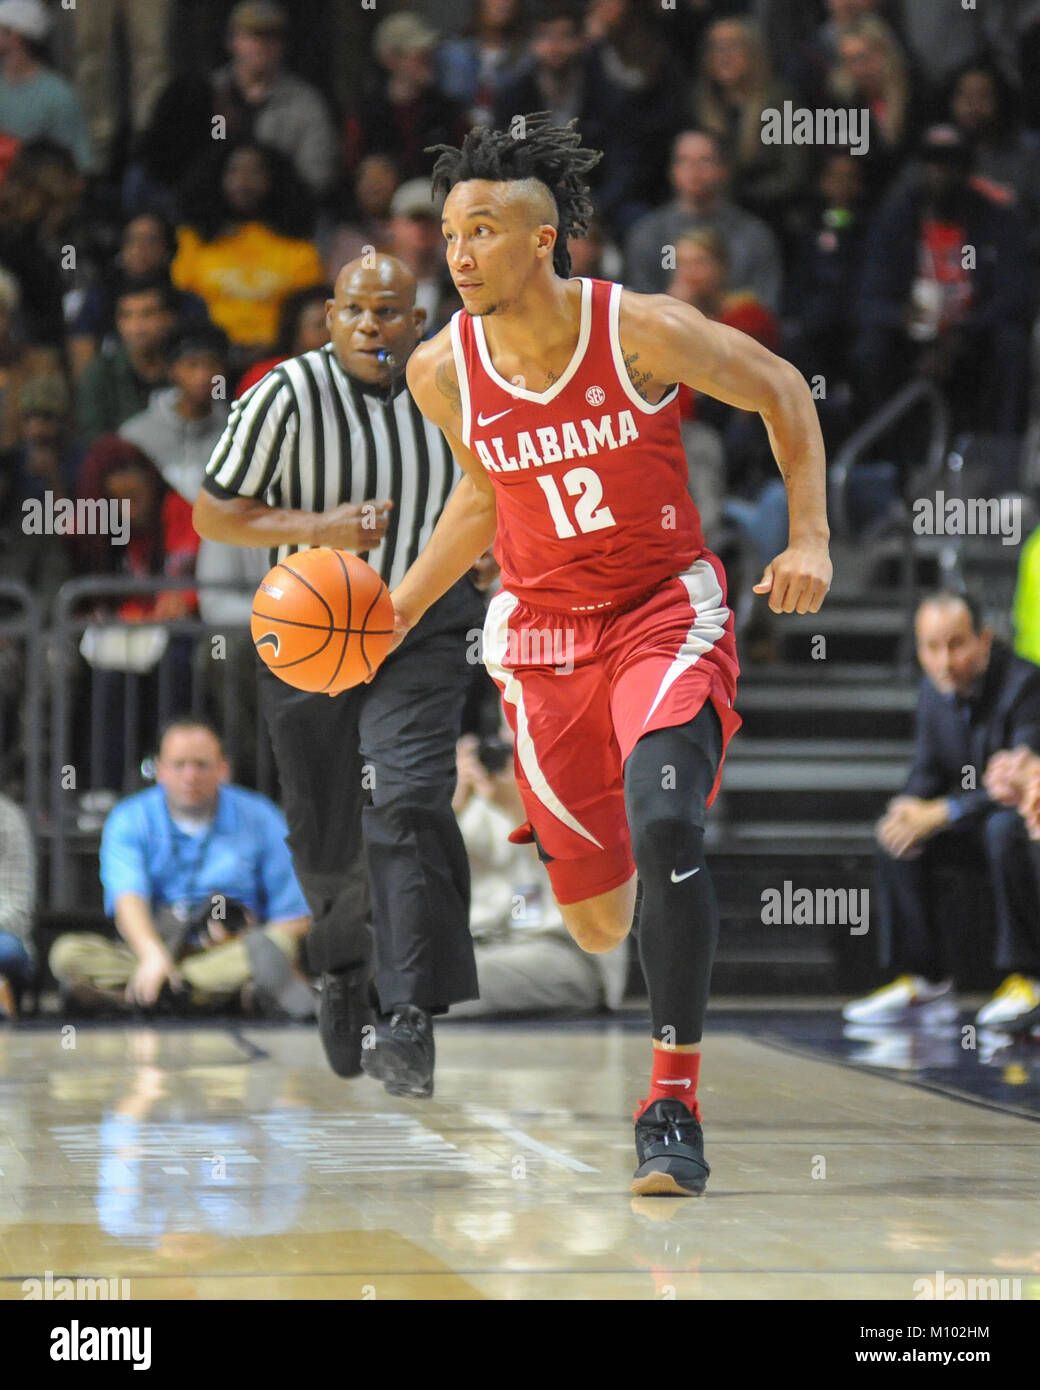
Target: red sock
[[673, 1076]]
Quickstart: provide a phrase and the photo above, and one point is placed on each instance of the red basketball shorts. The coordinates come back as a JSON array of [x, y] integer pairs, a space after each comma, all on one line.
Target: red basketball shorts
[[580, 689]]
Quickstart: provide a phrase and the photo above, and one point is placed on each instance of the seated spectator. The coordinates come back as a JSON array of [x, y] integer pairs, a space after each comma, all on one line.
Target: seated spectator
[[142, 73], [43, 460], [245, 244], [641, 85], [146, 251], [527, 961], [46, 454], [180, 427], [701, 279], [36, 102], [199, 882], [976, 699], [36, 196], [872, 74], [736, 85], [587, 252], [304, 328], [368, 223], [813, 60], [17, 902], [824, 264], [1013, 779], [20, 363], [156, 539], [472, 68], [925, 310], [257, 98], [583, 77], [940, 41], [417, 241], [699, 174], [118, 384], [1005, 161], [403, 110], [1026, 607]]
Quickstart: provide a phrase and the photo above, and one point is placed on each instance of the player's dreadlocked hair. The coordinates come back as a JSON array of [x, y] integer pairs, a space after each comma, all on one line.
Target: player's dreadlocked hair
[[540, 150]]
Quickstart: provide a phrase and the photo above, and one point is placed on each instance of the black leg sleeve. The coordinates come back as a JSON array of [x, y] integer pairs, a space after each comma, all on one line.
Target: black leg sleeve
[[668, 777]]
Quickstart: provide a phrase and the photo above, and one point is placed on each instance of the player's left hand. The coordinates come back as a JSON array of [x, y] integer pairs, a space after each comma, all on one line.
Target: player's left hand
[[798, 579]]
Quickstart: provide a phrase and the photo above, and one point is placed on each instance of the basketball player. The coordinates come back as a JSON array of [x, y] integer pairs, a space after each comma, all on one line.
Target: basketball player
[[611, 640]]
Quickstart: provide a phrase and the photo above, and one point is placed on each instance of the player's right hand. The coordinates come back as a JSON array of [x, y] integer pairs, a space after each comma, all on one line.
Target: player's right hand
[[354, 526]]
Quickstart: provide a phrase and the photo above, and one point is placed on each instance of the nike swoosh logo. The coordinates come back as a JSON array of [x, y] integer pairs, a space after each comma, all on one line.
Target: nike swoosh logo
[[678, 878], [677, 1081], [488, 419]]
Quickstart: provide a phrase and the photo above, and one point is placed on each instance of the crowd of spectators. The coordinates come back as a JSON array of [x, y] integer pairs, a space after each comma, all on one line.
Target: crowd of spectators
[[170, 222], [223, 194]]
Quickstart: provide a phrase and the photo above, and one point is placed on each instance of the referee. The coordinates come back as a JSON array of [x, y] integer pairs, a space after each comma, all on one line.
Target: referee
[[330, 449]]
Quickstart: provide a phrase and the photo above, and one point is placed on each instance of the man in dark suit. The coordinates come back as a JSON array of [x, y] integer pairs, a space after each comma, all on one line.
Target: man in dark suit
[[977, 698]]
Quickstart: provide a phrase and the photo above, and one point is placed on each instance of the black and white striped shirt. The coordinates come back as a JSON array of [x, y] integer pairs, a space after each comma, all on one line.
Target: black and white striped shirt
[[307, 436]]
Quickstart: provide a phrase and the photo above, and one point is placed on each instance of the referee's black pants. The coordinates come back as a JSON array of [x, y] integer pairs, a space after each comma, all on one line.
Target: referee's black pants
[[367, 779]]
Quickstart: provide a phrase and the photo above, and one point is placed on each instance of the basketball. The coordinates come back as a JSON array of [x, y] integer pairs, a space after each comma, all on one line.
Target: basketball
[[322, 620]]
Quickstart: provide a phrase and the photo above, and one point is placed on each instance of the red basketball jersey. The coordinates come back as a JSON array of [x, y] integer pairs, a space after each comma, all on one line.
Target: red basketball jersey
[[590, 479]]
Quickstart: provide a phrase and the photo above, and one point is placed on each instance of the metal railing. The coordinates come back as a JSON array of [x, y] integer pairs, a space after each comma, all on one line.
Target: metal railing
[[902, 404], [106, 707], [22, 730]]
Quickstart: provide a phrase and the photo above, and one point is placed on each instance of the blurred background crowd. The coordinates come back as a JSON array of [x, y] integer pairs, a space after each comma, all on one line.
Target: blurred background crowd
[[181, 180]]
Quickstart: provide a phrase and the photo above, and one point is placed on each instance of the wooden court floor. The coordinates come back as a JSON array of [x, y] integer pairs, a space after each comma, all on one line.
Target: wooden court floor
[[217, 1163]]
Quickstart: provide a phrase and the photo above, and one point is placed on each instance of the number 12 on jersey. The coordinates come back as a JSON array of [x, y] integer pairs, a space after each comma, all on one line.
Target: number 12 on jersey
[[586, 485]]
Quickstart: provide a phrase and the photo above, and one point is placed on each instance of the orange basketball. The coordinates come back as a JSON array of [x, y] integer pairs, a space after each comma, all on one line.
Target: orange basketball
[[322, 620]]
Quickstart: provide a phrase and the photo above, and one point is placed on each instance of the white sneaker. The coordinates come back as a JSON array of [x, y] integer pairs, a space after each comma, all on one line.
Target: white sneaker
[[908, 999], [1018, 995]]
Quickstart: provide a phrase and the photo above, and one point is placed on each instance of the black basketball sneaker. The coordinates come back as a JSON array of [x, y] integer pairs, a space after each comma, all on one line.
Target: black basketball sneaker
[[670, 1150], [345, 1017], [403, 1055]]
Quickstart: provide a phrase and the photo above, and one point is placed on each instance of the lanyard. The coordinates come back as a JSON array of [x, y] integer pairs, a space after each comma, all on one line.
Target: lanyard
[[189, 869]]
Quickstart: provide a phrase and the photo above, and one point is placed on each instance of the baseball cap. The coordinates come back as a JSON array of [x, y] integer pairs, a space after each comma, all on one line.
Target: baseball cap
[[414, 198], [29, 18], [258, 17], [403, 33]]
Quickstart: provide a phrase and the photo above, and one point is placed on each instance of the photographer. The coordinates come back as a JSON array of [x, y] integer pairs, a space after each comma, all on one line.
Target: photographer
[[527, 962], [198, 878]]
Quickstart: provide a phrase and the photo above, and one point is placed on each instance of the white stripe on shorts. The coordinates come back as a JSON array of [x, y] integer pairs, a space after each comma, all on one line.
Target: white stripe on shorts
[[711, 616]]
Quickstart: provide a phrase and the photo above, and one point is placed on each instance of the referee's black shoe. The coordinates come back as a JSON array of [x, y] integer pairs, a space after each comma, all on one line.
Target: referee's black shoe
[[346, 1017], [670, 1149], [403, 1054]]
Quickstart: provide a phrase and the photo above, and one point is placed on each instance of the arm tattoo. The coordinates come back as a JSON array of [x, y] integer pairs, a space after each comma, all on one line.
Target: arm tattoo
[[447, 385], [638, 378]]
